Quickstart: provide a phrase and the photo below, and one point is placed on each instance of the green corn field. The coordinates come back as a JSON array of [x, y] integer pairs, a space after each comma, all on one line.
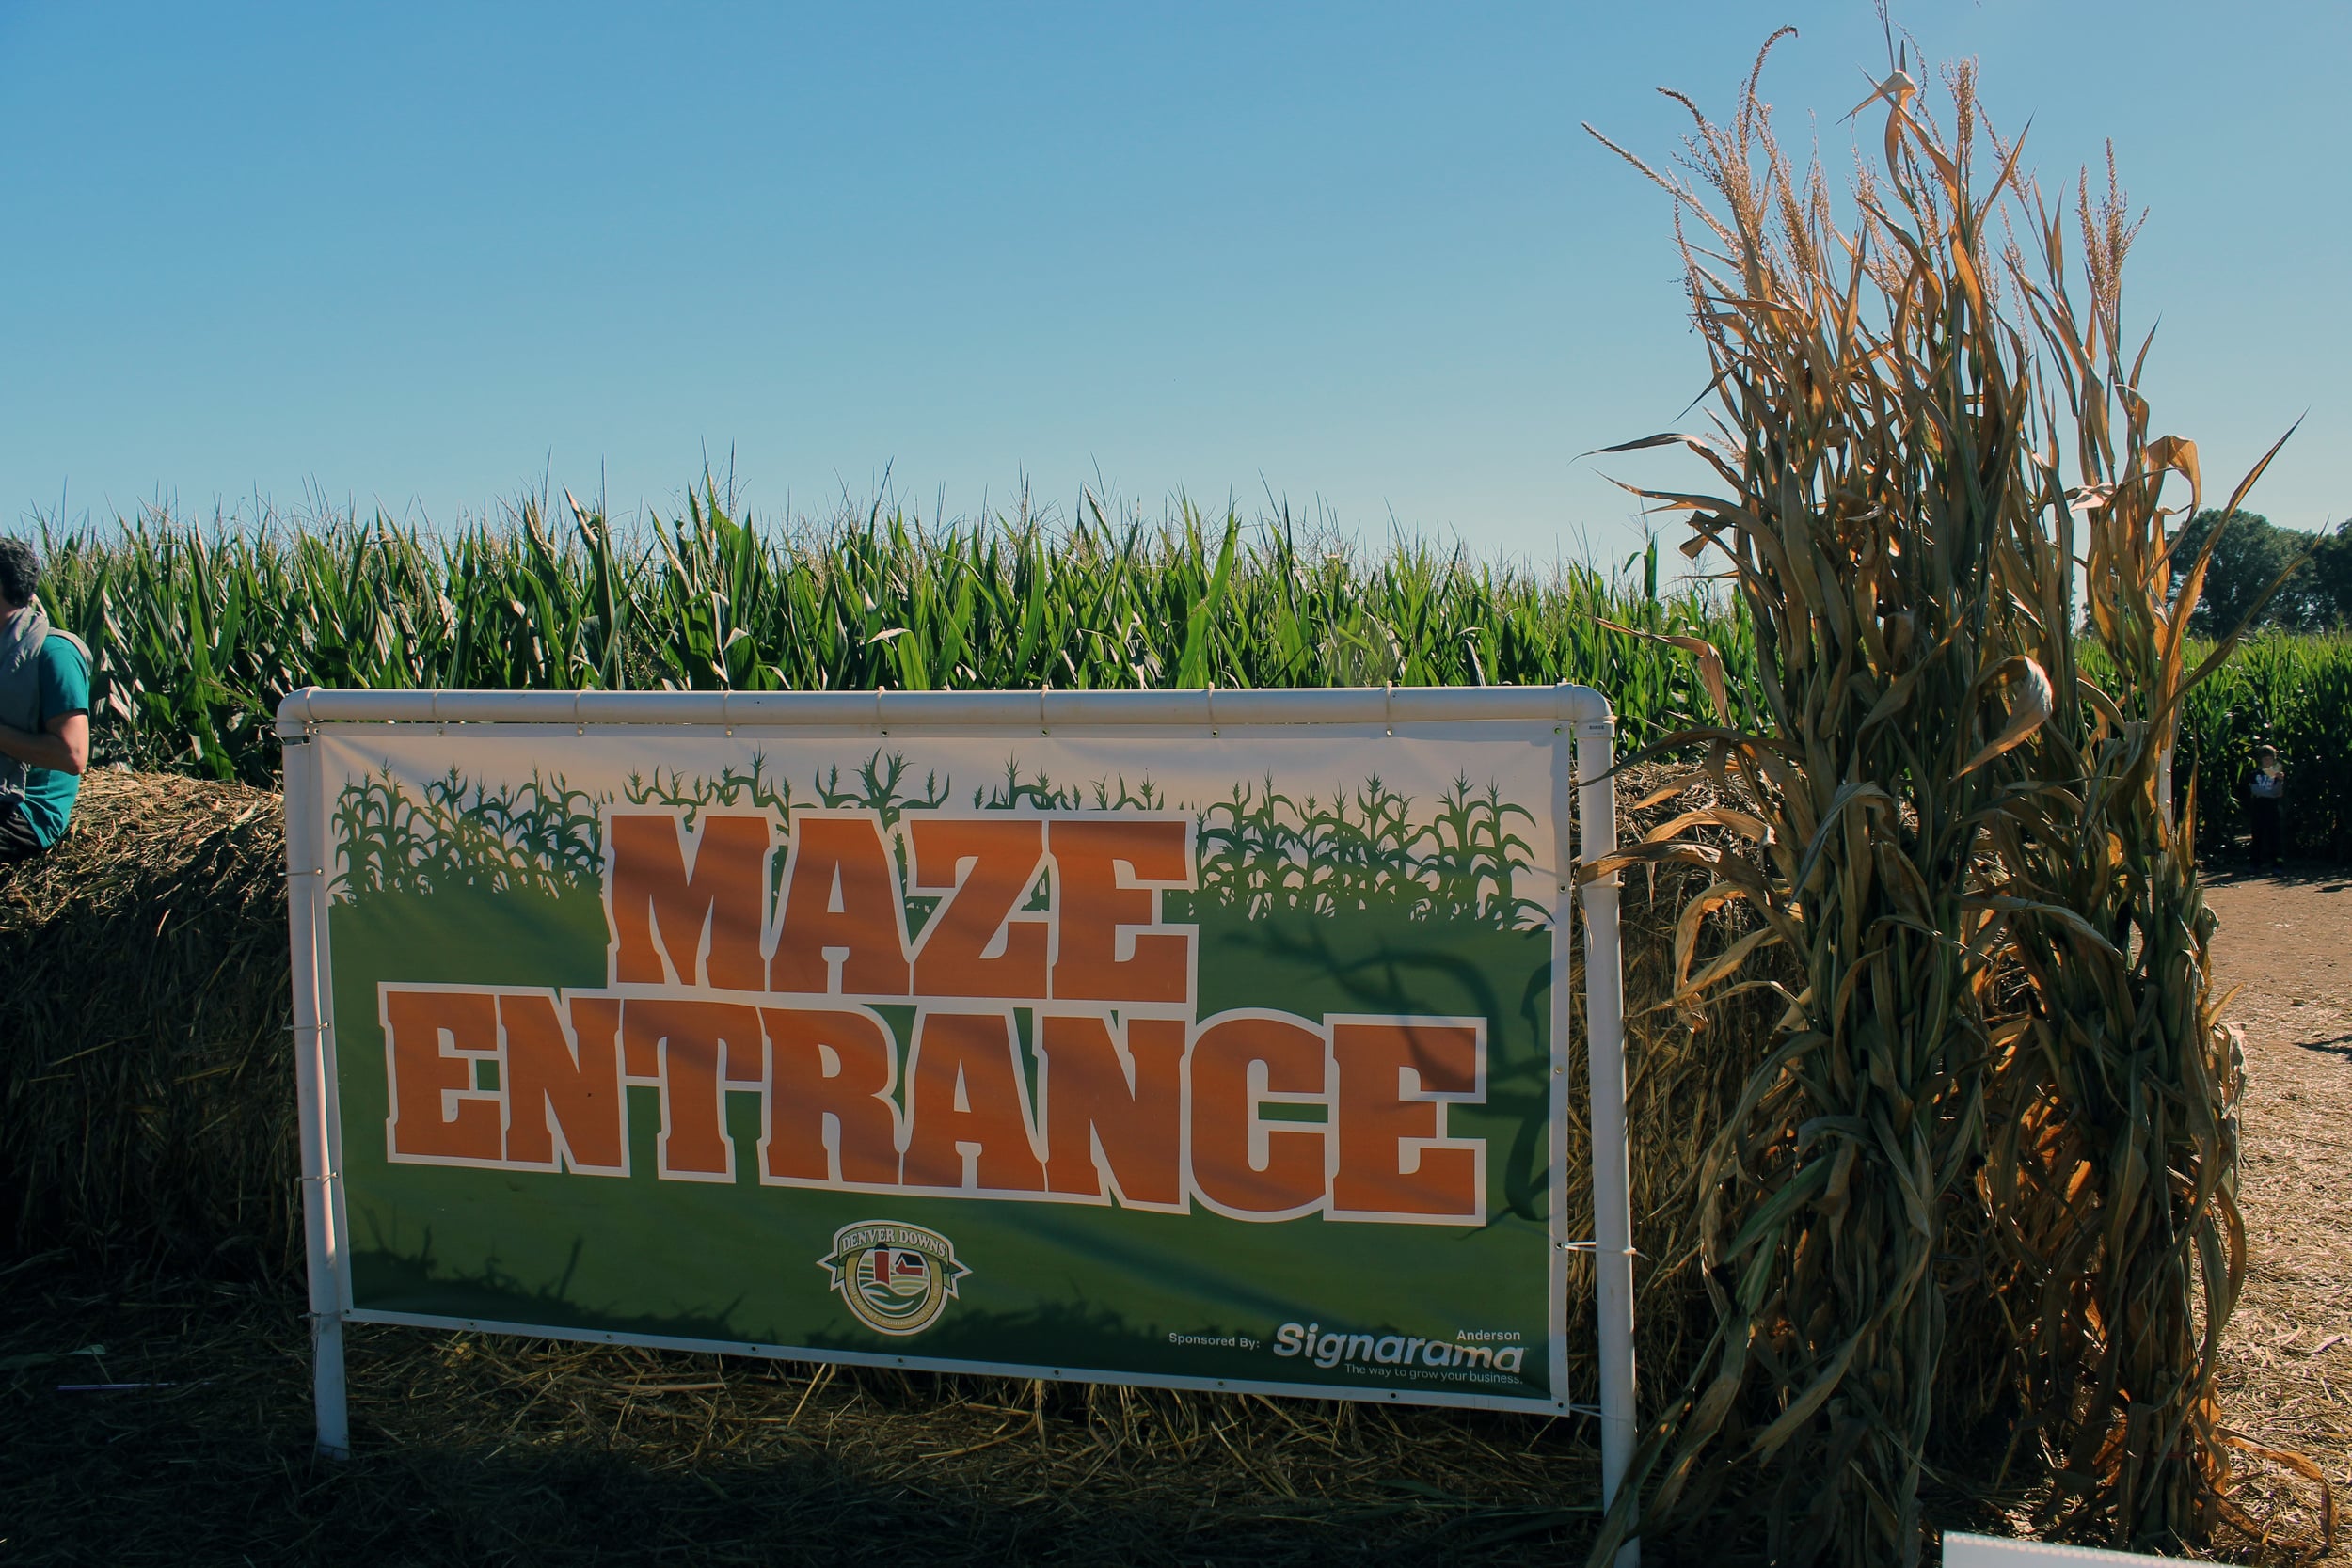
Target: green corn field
[[2293, 693], [199, 630]]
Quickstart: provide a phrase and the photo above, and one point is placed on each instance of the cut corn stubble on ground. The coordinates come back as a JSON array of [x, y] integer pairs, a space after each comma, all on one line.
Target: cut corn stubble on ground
[[2286, 942]]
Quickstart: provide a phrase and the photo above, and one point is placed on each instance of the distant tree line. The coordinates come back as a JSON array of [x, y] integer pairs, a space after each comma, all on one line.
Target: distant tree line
[[2252, 552]]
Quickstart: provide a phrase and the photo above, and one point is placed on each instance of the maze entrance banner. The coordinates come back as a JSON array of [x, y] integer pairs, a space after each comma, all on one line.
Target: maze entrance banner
[[1219, 1057]]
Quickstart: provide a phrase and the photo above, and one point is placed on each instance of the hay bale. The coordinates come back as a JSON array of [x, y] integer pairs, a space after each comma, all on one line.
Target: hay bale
[[146, 1078], [146, 1075], [1681, 1087]]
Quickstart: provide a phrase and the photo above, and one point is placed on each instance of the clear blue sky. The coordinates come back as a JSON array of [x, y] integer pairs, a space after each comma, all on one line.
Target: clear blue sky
[[417, 256]]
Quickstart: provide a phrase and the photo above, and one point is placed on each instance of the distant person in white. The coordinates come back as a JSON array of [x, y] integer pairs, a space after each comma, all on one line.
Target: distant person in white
[[2266, 796]]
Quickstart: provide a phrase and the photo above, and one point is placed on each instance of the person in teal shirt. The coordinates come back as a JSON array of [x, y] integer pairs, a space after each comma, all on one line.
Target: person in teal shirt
[[44, 712]]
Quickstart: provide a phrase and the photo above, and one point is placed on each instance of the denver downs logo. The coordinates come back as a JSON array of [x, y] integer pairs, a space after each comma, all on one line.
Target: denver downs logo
[[895, 1278]]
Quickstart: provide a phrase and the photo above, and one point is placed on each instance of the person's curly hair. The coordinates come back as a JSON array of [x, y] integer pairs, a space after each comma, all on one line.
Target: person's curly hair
[[20, 571]]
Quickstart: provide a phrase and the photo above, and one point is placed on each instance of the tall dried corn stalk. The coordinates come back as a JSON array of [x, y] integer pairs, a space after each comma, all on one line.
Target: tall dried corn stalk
[[2110, 1175], [1896, 529]]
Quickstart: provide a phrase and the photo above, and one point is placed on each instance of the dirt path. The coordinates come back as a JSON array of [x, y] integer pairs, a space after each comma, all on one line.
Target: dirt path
[[2286, 942]]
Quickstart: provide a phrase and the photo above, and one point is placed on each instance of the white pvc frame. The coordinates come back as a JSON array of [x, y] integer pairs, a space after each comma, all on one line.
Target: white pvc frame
[[1577, 710]]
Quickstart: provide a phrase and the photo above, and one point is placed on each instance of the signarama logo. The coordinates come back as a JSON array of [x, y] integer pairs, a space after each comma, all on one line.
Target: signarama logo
[[895, 1278]]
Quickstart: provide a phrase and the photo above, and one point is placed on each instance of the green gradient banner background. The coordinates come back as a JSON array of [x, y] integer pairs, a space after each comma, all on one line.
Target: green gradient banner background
[[1340, 873]]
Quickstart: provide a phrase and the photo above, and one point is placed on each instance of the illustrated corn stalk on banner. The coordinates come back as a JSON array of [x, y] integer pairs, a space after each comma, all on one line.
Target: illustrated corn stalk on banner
[[1985, 1163]]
